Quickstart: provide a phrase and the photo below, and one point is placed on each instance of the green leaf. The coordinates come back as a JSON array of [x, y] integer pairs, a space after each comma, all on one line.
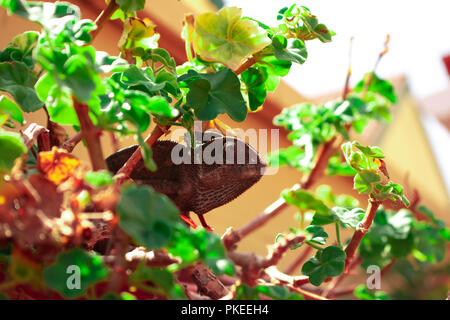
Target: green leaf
[[328, 262], [390, 236], [300, 21], [161, 277], [78, 77], [254, 79], [363, 181], [293, 50], [147, 216], [318, 235], [377, 86], [11, 109], [292, 156], [349, 217], [201, 245], [227, 38], [12, 148], [304, 200], [147, 154], [57, 100], [58, 276], [18, 80], [15, 6], [134, 76], [429, 245], [374, 152], [212, 94], [129, 6], [363, 293], [21, 49], [338, 167], [161, 55], [98, 179]]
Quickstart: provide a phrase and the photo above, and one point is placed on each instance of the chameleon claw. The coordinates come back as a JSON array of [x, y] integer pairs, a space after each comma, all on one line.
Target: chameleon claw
[[204, 224], [188, 221]]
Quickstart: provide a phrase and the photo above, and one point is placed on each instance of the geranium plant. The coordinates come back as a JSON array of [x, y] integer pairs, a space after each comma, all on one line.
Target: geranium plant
[[70, 230]]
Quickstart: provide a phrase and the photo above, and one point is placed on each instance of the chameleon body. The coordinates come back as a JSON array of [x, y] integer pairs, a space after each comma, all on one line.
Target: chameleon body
[[197, 186]]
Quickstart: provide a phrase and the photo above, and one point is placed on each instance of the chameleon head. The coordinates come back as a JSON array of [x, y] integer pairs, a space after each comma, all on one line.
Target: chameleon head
[[231, 152]]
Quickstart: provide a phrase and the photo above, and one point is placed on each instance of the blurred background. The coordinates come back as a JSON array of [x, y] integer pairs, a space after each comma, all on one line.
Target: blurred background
[[416, 141]]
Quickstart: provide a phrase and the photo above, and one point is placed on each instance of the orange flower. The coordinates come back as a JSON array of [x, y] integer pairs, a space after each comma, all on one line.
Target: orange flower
[[57, 165]]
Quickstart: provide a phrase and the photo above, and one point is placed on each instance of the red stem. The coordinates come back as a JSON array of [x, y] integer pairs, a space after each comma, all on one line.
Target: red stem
[[91, 134], [131, 163], [70, 144], [104, 17], [362, 229], [247, 64]]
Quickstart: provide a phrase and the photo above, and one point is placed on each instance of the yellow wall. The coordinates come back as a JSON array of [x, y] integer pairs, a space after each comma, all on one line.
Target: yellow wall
[[409, 154]]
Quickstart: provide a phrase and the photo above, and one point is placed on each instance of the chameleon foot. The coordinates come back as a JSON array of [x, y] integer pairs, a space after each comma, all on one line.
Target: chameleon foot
[[204, 224], [188, 221]]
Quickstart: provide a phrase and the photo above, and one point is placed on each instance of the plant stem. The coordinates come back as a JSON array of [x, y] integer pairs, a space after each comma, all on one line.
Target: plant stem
[[120, 277], [131, 163], [39, 133], [338, 235], [247, 64], [349, 71], [91, 134], [362, 229], [103, 17], [70, 144], [309, 243]]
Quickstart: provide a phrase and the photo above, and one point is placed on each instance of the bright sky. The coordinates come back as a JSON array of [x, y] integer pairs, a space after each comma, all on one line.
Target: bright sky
[[420, 36]]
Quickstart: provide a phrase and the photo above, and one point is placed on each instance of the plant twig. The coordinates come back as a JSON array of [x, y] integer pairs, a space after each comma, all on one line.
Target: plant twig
[[388, 267], [91, 134], [349, 71], [253, 266], [39, 133], [131, 163], [119, 279], [152, 258], [103, 17], [247, 64], [71, 143], [362, 229], [208, 284]]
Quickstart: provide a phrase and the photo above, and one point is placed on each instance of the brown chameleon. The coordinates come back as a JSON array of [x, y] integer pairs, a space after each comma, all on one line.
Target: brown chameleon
[[198, 186]]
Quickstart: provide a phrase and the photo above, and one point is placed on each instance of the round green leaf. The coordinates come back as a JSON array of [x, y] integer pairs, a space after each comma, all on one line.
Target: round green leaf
[[227, 38], [90, 266], [147, 216], [12, 147], [328, 262]]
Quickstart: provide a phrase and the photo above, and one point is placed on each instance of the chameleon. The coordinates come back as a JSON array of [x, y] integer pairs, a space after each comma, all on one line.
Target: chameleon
[[197, 185]]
